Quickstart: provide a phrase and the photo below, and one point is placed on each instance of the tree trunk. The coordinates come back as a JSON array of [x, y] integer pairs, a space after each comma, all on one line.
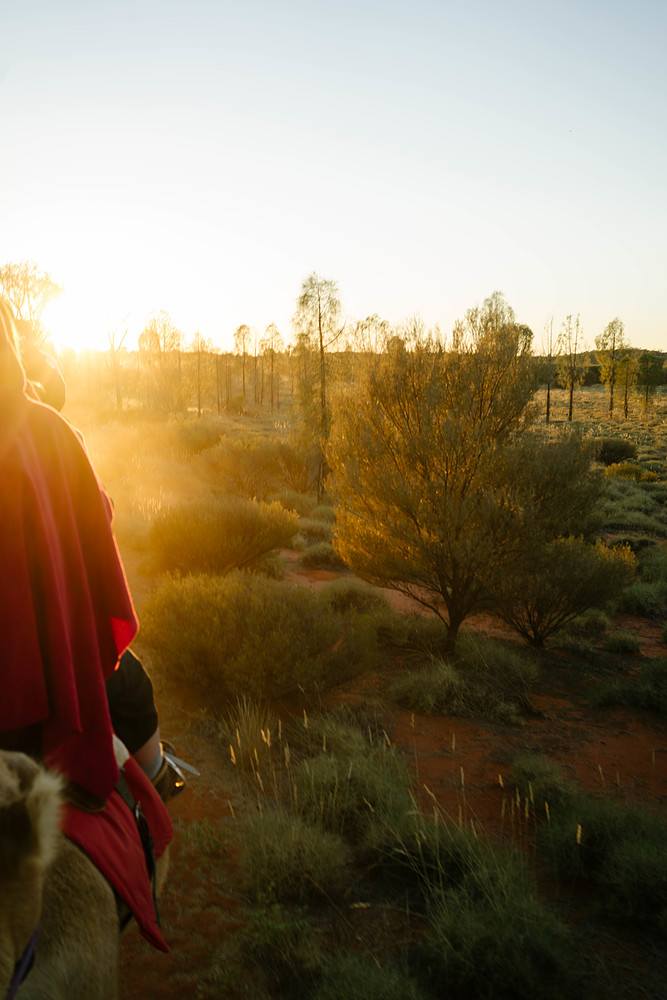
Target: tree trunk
[[548, 401]]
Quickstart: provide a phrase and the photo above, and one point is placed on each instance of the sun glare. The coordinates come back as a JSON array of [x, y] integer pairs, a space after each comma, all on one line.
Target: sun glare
[[69, 322]]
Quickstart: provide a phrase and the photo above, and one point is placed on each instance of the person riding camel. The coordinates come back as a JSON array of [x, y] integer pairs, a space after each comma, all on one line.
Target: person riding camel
[[70, 679]]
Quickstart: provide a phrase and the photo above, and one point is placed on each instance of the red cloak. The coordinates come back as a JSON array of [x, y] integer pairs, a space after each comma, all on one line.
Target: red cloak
[[66, 614]]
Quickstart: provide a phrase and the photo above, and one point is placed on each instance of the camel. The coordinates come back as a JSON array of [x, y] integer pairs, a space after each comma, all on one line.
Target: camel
[[45, 879]]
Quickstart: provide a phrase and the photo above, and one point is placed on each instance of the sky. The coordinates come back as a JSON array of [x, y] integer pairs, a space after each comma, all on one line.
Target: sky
[[205, 157]]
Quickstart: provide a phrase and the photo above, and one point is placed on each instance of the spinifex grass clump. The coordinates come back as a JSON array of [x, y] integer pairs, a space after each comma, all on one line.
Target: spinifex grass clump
[[497, 942], [243, 634], [349, 975], [218, 535], [287, 859], [486, 679], [251, 730], [351, 791], [633, 508], [646, 689], [280, 949], [342, 731], [623, 642], [486, 933], [620, 852]]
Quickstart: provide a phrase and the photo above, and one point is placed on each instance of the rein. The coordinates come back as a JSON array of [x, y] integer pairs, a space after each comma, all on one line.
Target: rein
[[23, 966]]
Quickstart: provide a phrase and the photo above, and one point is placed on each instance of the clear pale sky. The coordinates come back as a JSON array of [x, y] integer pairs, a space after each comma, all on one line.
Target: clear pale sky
[[205, 157]]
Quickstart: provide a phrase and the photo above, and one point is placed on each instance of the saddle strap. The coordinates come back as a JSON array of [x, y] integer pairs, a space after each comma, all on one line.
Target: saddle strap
[[23, 966], [145, 836]]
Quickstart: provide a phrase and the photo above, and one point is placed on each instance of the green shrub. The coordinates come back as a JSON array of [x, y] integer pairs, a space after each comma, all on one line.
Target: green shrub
[[416, 635], [248, 466], [193, 436], [593, 622], [218, 536], [652, 561], [301, 503], [298, 469], [647, 689], [285, 859], [575, 644], [348, 975], [314, 529], [663, 635], [350, 594], [444, 688], [324, 512], [612, 450], [321, 555], [506, 671], [624, 470], [646, 599], [637, 545], [437, 687], [622, 642], [244, 634]]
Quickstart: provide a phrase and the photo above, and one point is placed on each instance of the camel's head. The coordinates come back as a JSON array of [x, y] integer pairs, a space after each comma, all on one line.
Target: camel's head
[[29, 831]]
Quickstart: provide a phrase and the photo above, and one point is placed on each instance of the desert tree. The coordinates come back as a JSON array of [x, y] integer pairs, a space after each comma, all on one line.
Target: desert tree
[[28, 290], [317, 321], [201, 347], [415, 450], [271, 345], [562, 568], [650, 374], [627, 378], [116, 338], [159, 342], [242, 338], [369, 335], [549, 351], [610, 346], [317, 325], [571, 360], [561, 581], [160, 335]]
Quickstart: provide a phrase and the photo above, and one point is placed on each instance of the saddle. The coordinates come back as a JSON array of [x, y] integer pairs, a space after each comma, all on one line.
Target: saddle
[[122, 840]]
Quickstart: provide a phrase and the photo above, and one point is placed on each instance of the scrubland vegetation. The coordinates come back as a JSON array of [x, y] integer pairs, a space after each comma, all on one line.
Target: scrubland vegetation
[[428, 470]]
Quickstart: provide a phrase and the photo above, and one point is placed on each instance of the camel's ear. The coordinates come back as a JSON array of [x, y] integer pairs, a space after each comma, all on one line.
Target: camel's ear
[[43, 804], [29, 810]]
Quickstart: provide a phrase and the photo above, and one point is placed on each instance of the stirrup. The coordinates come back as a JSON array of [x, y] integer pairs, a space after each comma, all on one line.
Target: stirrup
[[170, 779]]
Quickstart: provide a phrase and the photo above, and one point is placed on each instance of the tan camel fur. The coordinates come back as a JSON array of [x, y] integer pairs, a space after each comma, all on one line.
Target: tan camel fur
[[45, 879]]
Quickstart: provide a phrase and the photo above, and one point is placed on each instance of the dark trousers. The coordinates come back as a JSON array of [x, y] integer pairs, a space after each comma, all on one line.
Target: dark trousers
[[131, 702]]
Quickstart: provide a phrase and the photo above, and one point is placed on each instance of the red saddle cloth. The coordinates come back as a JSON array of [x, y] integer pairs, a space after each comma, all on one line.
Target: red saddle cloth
[[111, 840]]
